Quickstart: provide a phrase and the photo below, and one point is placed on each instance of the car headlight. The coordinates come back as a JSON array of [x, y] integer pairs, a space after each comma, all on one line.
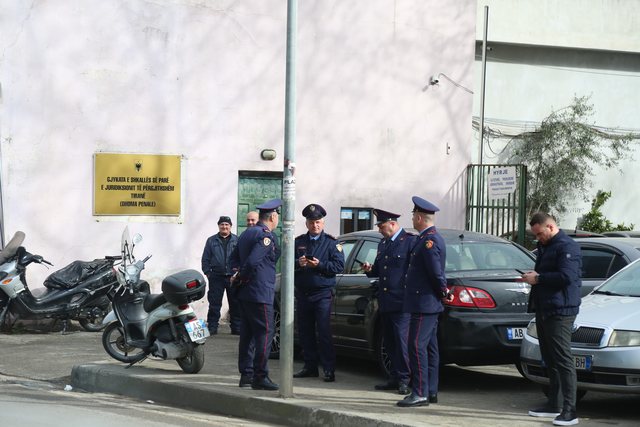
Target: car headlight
[[532, 331], [624, 339]]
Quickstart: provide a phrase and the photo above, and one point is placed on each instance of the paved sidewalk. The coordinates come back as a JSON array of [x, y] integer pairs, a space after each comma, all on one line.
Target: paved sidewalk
[[350, 401]]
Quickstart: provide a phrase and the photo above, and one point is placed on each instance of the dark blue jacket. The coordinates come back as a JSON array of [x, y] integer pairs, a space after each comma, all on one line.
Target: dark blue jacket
[[214, 259], [255, 260], [425, 282], [326, 249], [389, 266], [558, 264]]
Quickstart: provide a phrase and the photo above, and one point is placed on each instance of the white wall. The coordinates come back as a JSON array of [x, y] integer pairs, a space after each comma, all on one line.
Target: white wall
[[205, 79], [546, 52]]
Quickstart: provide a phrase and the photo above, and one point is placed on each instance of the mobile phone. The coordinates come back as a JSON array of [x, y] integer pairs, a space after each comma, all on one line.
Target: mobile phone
[[308, 256]]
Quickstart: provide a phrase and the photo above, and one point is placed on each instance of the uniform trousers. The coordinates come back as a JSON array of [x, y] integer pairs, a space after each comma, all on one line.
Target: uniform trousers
[[424, 358], [314, 315], [395, 327], [554, 335], [256, 335]]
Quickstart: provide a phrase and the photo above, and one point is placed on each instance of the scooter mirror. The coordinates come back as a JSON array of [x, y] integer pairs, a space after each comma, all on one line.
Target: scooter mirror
[[137, 239]]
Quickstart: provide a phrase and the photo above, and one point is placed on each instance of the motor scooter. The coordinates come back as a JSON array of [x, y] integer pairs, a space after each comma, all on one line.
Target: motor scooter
[[80, 291], [160, 325]]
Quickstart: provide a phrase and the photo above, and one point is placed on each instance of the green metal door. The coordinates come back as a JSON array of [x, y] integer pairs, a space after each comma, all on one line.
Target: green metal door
[[254, 189]]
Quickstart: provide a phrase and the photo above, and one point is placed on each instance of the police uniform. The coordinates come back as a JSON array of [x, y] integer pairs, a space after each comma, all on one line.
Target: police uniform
[[389, 267], [314, 290], [425, 286], [254, 260]]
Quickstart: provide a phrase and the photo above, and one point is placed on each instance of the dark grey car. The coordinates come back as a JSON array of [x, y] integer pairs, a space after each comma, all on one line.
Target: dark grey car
[[485, 323], [603, 257]]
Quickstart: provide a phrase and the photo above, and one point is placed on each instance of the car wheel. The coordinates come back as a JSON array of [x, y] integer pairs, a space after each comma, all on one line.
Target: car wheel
[[381, 354], [275, 343]]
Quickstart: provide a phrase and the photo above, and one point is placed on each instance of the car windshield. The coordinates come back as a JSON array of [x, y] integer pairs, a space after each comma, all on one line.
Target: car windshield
[[626, 282], [486, 256]]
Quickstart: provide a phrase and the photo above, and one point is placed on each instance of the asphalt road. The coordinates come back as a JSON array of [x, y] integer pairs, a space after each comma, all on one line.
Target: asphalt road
[[489, 396]]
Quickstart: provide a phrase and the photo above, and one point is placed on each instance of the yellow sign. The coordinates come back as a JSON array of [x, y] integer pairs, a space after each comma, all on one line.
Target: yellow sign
[[136, 184]]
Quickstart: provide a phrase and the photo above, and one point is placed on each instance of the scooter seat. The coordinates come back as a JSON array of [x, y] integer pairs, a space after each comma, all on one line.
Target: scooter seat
[[153, 301]]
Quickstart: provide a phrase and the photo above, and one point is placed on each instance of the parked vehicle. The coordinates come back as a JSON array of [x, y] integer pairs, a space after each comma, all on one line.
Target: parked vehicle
[[632, 233], [162, 325], [484, 324], [81, 291], [605, 342], [602, 258]]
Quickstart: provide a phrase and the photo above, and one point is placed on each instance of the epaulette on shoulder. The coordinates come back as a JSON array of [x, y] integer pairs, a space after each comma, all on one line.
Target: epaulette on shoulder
[[301, 236], [330, 236], [410, 233]]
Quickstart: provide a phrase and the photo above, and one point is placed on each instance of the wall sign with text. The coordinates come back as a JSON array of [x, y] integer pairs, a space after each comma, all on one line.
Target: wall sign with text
[[136, 184]]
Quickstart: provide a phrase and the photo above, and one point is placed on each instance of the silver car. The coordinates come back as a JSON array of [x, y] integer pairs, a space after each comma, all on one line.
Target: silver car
[[606, 338]]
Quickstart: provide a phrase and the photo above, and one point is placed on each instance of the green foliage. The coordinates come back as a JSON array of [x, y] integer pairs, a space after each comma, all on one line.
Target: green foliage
[[595, 221], [561, 154]]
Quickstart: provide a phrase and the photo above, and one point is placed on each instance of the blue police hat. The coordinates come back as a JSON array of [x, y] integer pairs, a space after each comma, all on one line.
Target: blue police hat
[[269, 206], [384, 216], [314, 211], [421, 205]]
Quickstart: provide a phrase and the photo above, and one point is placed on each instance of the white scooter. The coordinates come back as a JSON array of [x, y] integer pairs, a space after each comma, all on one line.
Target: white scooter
[[162, 325]]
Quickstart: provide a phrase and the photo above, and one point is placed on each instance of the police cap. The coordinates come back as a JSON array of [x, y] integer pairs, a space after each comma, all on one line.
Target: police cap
[[224, 219], [421, 205], [314, 211], [269, 206], [384, 216]]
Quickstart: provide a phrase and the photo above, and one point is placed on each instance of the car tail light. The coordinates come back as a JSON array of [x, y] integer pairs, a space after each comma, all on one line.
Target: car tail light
[[466, 296], [183, 306], [192, 284]]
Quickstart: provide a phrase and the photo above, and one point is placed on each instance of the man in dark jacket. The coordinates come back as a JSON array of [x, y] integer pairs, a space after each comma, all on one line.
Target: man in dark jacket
[[319, 258], [216, 266], [389, 266], [555, 298]]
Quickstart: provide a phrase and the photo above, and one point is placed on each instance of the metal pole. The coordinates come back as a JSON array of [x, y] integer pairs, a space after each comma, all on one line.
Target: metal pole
[[289, 199], [482, 82]]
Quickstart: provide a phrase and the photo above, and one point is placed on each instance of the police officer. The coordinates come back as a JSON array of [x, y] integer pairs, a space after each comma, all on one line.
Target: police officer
[[318, 259], [425, 287], [389, 266], [254, 261], [216, 266]]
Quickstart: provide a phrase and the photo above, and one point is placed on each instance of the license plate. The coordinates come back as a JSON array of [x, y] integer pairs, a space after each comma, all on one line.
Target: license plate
[[583, 363], [514, 334], [197, 330]]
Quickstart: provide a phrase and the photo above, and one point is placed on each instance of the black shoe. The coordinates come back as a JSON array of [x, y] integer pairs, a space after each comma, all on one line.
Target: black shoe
[[389, 385], [264, 384], [329, 377], [306, 373], [246, 380], [413, 400], [404, 389], [545, 411], [433, 398], [566, 418]]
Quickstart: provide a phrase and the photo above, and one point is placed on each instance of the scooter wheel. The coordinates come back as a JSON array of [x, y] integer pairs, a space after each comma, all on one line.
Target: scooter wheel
[[193, 362], [114, 344]]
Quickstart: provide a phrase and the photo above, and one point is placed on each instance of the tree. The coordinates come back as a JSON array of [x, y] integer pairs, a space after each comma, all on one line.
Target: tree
[[595, 220], [561, 154]]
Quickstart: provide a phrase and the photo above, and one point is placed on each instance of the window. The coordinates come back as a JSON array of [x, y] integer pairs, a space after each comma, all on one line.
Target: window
[[595, 263], [355, 219], [367, 253]]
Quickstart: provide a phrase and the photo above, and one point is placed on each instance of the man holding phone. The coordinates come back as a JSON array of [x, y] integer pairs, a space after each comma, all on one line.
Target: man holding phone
[[319, 258]]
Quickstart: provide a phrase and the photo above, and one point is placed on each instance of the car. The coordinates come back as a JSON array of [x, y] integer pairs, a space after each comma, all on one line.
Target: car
[[602, 258], [484, 324], [632, 233], [530, 239], [605, 341]]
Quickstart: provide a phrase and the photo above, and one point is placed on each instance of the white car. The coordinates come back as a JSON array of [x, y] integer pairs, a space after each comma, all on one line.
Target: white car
[[605, 341]]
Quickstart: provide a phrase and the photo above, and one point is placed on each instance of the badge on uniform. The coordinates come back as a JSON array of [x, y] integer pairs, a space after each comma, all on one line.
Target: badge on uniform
[[339, 247], [429, 244], [266, 241]]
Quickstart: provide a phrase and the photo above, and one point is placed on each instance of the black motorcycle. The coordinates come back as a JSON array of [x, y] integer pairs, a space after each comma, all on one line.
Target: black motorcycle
[[81, 291]]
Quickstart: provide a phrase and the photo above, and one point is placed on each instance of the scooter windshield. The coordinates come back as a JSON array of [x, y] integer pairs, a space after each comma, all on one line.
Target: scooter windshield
[[125, 244]]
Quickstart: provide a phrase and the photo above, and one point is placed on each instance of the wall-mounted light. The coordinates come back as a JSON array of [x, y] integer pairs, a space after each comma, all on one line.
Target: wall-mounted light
[[268, 154]]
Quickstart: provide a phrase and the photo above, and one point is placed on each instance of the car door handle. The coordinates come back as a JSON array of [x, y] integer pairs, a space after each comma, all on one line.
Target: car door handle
[[374, 283]]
